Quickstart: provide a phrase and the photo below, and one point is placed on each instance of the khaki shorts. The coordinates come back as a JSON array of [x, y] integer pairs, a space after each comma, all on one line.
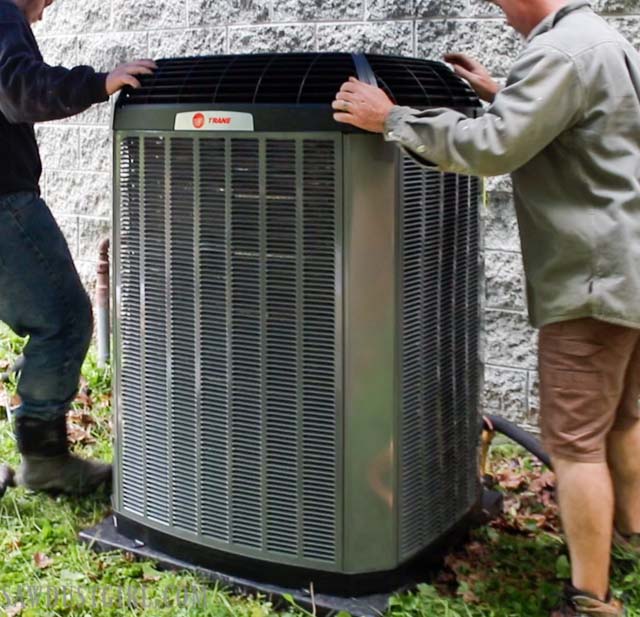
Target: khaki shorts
[[589, 385]]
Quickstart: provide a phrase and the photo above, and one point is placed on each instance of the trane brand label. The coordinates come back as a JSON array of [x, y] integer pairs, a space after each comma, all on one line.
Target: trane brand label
[[213, 121]]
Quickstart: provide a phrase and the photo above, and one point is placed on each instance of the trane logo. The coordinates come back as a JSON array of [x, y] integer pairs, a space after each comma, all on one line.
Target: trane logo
[[199, 120], [214, 121]]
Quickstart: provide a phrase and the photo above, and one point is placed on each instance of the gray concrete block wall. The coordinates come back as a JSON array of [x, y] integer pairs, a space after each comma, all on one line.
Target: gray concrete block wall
[[77, 156]]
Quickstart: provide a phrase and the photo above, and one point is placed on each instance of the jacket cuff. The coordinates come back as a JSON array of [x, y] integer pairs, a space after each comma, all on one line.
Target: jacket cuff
[[99, 88], [394, 123], [396, 129]]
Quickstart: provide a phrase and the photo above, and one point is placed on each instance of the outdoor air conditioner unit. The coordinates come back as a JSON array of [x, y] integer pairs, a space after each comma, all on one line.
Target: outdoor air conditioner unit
[[297, 322]]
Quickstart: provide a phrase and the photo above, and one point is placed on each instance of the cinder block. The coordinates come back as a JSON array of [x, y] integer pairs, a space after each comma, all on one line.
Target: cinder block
[[258, 39], [95, 149], [504, 281], [510, 341], [391, 37], [148, 15], [505, 393], [59, 50], [106, 51], [191, 42], [317, 10], [73, 17], [224, 12], [501, 225], [58, 146], [492, 42], [75, 192]]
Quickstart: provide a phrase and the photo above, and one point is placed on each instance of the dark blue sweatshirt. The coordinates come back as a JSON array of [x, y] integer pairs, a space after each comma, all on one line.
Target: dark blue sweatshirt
[[32, 91]]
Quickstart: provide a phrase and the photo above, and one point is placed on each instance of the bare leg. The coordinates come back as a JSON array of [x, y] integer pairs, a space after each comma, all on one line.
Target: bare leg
[[623, 451], [585, 495]]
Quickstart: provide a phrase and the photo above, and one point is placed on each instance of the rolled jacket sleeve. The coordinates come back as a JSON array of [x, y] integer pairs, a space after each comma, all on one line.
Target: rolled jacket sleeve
[[543, 97]]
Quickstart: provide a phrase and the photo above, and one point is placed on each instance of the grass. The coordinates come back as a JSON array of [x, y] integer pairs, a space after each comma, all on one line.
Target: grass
[[508, 569]]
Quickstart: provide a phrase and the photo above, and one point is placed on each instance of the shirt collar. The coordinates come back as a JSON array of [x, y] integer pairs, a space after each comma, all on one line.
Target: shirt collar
[[551, 20]]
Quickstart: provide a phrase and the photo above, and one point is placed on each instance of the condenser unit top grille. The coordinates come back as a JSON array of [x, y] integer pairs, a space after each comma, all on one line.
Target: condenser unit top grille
[[297, 79], [421, 83]]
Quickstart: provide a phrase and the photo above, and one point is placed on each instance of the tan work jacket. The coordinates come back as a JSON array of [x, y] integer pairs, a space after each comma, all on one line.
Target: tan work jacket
[[567, 127]]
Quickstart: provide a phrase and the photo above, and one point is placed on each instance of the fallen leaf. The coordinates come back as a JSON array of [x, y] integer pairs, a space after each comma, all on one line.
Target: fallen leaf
[[149, 573], [81, 417], [82, 398], [42, 561], [469, 596], [13, 544], [77, 434], [546, 480], [14, 610], [8, 400]]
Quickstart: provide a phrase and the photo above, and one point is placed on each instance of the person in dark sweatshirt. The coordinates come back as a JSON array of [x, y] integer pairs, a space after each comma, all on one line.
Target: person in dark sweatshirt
[[41, 295]]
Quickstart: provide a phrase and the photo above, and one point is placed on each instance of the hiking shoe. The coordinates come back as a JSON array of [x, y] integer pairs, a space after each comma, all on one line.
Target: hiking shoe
[[66, 474], [582, 604], [627, 543]]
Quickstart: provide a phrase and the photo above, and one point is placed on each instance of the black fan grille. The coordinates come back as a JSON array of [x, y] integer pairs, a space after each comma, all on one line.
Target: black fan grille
[[253, 79], [296, 79], [421, 83]]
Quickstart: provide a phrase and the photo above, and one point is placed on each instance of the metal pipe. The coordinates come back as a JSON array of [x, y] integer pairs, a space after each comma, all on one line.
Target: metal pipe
[[103, 326]]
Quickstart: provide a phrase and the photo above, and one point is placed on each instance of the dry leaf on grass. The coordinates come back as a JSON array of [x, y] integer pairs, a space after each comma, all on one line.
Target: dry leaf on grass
[[77, 434], [81, 417], [42, 561], [8, 400], [13, 544], [13, 611]]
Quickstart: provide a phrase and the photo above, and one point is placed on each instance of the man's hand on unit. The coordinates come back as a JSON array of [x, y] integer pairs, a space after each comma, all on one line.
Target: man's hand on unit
[[362, 105], [124, 75], [475, 73]]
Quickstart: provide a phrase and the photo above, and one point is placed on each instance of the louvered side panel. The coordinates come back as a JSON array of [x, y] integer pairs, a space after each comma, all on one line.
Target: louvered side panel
[[182, 329], [215, 351], [438, 374], [423, 472], [283, 378], [319, 390], [130, 358], [461, 364], [472, 366], [246, 418], [238, 371], [154, 331], [447, 354]]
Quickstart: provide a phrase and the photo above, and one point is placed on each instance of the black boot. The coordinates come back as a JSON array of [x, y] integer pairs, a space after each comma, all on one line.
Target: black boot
[[7, 478], [47, 464]]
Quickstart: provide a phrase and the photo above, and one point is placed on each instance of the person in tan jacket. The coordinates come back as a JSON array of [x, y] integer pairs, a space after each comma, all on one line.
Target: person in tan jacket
[[567, 128]]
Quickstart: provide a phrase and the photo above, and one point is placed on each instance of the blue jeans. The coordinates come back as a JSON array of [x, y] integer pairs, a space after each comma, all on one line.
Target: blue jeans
[[41, 297]]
